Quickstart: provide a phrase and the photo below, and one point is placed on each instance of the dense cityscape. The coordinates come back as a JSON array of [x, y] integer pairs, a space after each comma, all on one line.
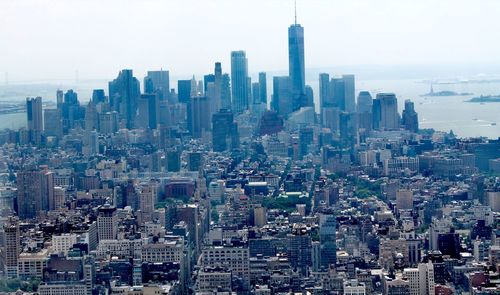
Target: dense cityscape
[[216, 186]]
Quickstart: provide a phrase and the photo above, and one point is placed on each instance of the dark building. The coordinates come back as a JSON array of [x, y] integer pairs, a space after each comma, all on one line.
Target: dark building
[[410, 117], [270, 123], [184, 90], [224, 131], [124, 94], [449, 244]]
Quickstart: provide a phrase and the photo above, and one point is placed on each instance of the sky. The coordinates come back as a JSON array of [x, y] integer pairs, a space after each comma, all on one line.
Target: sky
[[55, 39]]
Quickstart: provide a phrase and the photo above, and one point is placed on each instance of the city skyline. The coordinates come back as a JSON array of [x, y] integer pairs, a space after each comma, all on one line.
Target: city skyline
[[420, 36]]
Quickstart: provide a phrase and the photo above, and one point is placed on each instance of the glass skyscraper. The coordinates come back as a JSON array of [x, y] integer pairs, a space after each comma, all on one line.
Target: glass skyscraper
[[239, 78], [296, 66]]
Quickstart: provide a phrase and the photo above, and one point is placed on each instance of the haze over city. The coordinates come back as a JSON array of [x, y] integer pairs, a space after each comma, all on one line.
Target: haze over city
[[50, 40]]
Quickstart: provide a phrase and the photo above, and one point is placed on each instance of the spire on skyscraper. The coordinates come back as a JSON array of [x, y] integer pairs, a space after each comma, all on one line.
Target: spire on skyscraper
[[295, 11]]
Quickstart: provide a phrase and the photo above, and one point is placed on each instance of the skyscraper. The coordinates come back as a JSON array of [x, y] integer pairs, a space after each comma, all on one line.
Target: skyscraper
[[124, 92], [296, 64], [337, 90], [35, 192], [218, 86], [53, 123], [198, 116], [364, 110], [282, 95], [184, 90], [388, 119], [239, 75], [157, 81], [107, 223], [224, 131], [263, 87], [349, 93], [226, 92], [34, 113], [410, 117], [12, 247], [327, 239]]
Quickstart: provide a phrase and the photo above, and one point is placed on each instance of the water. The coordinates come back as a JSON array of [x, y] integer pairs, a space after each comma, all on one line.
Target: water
[[441, 113]]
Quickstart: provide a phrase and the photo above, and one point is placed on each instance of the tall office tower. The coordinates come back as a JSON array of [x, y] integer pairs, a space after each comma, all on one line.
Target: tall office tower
[[306, 138], [331, 119], [12, 247], [327, 239], [35, 192], [299, 249], [148, 195], [224, 131], [218, 86], [124, 92], [91, 117], [348, 127], [53, 123], [194, 87], [421, 279], [72, 114], [296, 63], [148, 111], [255, 93], [239, 78], [404, 199], [107, 223], [210, 78], [349, 93], [108, 122], [309, 97], [157, 81], [364, 110], [34, 113], [337, 90], [263, 88], [282, 96], [324, 94], [388, 118], [90, 143], [226, 92], [410, 117], [98, 96], [59, 98], [184, 90], [198, 116], [376, 114]]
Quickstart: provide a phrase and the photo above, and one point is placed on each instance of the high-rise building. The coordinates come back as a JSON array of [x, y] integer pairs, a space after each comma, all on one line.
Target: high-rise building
[[198, 116], [107, 223], [226, 92], [282, 98], [263, 87], [404, 199], [35, 120], [217, 86], [364, 110], [421, 279], [349, 93], [224, 131], [12, 247], [124, 92], [324, 93], [53, 123], [184, 90], [299, 247], [410, 117], [306, 138], [296, 61], [148, 111], [385, 111], [239, 78], [35, 192], [148, 195], [327, 238], [157, 81], [337, 90]]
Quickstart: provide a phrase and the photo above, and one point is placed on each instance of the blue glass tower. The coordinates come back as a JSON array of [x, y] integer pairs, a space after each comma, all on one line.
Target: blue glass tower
[[296, 67]]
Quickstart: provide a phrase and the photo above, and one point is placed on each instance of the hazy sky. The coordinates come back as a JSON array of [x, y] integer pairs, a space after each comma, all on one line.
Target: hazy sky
[[51, 39]]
